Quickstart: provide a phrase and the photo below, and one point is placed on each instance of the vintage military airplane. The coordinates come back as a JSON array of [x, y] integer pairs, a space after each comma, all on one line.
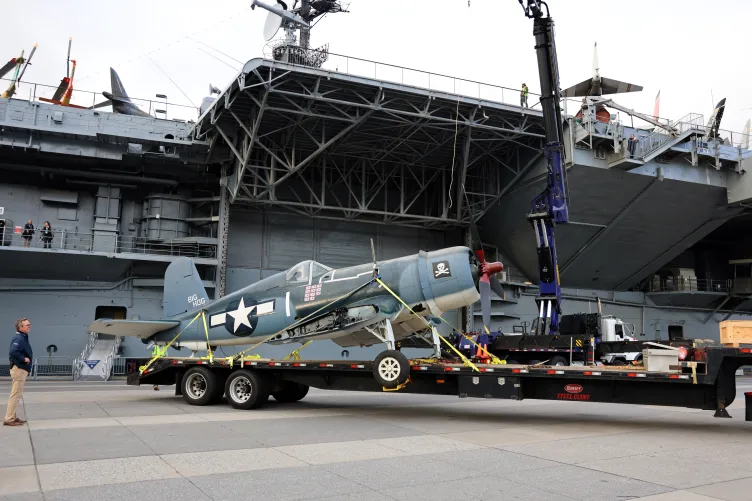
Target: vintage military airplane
[[311, 301]]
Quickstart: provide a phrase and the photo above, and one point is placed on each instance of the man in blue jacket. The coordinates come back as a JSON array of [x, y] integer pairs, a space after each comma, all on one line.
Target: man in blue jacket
[[20, 356]]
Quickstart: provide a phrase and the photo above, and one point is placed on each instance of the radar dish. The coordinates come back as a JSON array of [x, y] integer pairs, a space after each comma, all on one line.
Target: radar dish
[[272, 25]]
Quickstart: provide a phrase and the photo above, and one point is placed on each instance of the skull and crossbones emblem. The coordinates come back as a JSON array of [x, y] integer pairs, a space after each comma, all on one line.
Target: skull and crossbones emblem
[[441, 269]]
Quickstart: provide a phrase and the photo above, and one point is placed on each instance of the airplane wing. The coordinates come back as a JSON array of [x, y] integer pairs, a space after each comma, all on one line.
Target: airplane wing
[[611, 86], [101, 105], [142, 329], [579, 90]]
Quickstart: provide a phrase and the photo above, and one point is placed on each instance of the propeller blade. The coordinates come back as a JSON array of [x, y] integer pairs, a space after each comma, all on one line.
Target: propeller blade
[[485, 302], [497, 288]]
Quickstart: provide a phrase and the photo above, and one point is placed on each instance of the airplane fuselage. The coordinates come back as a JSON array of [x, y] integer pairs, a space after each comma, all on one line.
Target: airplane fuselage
[[431, 283]]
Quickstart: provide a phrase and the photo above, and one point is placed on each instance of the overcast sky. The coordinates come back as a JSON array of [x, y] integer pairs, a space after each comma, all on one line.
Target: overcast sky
[[694, 51]]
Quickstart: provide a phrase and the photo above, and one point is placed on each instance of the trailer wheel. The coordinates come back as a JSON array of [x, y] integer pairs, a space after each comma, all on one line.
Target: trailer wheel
[[558, 360], [246, 389], [290, 392], [199, 386], [391, 368]]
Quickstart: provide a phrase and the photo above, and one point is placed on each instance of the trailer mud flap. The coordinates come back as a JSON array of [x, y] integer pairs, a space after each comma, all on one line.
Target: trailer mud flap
[[489, 387]]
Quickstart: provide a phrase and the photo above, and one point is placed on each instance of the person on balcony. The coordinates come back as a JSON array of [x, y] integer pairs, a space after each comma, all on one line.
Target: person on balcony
[[47, 235], [28, 232]]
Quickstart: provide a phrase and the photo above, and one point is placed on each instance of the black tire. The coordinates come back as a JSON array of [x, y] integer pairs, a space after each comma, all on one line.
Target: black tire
[[533, 362], [620, 361], [246, 390], [558, 360], [513, 362], [199, 386], [290, 392], [391, 368]]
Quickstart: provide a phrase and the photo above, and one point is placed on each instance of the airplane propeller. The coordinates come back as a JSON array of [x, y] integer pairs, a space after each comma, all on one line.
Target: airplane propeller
[[487, 273]]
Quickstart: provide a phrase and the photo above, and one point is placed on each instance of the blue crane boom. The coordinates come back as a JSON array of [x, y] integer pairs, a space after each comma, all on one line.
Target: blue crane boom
[[550, 206]]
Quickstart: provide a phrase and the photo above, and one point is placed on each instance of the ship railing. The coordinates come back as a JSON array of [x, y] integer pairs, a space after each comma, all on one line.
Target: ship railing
[[429, 80], [118, 366], [51, 366], [660, 137], [72, 240], [690, 284], [158, 108]]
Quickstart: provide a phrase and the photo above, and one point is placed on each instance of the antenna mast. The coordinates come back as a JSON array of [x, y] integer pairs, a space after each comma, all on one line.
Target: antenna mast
[[288, 49]]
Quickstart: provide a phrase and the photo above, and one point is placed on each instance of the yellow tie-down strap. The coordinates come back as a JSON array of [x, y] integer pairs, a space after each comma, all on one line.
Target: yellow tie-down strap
[[465, 360], [162, 352]]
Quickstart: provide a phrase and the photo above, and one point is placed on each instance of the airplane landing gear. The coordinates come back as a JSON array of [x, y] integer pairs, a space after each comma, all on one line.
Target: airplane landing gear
[[391, 369]]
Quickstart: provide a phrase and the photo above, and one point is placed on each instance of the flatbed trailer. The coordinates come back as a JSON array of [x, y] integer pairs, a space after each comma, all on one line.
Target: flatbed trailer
[[706, 382]]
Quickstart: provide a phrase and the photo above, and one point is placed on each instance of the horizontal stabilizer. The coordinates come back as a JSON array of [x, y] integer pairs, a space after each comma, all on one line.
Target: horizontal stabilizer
[[140, 328], [607, 86], [580, 90], [611, 86]]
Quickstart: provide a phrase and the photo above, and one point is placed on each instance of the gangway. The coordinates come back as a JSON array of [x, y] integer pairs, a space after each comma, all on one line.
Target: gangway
[[96, 359]]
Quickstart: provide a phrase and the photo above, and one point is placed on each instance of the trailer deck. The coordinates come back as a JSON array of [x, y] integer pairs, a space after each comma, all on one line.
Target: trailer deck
[[707, 382]]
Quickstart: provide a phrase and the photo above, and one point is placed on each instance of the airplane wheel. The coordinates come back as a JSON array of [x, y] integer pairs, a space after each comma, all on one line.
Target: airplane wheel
[[246, 389], [290, 392], [199, 386], [391, 368]]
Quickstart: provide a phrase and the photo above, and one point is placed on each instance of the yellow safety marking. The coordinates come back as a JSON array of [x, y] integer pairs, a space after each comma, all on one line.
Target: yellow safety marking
[[578, 342], [464, 359], [295, 354], [398, 388]]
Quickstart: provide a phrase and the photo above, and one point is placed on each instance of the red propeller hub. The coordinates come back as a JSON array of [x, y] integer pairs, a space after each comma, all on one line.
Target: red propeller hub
[[491, 268]]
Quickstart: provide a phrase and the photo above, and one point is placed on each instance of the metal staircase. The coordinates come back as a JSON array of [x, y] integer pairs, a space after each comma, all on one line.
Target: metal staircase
[[97, 358], [659, 142]]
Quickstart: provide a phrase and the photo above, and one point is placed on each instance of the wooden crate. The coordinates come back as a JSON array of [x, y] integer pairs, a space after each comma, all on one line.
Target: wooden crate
[[736, 332]]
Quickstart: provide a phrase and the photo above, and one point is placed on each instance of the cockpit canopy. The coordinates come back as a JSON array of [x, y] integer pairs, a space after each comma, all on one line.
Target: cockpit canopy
[[304, 271]]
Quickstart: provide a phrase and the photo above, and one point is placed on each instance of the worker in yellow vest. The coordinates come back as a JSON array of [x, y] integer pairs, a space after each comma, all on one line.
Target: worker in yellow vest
[[523, 96], [156, 352]]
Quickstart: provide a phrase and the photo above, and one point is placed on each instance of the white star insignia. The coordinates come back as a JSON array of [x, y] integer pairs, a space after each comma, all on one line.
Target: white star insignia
[[241, 315]]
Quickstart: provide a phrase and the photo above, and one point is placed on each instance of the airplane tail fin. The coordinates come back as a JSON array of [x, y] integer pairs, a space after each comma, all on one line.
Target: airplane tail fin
[[118, 90], [183, 289]]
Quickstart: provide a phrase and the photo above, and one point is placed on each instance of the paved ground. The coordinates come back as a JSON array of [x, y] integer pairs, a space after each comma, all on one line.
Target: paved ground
[[95, 441]]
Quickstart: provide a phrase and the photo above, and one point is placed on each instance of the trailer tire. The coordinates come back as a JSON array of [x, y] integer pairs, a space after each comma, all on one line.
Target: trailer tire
[[246, 390], [199, 386], [558, 360], [391, 369], [290, 392]]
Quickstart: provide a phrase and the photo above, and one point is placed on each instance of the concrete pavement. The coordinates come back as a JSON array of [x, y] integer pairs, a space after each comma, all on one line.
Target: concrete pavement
[[87, 440]]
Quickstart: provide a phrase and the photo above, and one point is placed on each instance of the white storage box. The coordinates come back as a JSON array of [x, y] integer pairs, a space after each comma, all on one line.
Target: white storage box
[[659, 360]]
